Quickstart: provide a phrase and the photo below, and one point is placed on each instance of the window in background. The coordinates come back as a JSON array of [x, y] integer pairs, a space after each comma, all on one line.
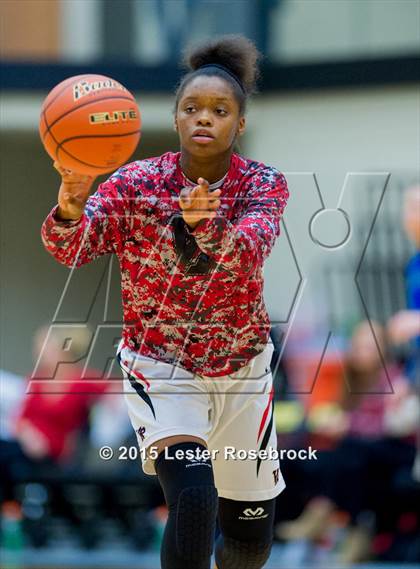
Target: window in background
[[303, 31], [81, 30], [164, 27]]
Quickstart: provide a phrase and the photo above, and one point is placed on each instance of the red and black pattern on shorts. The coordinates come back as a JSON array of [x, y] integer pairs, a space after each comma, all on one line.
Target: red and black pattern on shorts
[[192, 297]]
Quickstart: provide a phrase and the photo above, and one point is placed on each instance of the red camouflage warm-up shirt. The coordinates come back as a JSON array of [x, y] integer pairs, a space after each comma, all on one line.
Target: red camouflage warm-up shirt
[[191, 297]]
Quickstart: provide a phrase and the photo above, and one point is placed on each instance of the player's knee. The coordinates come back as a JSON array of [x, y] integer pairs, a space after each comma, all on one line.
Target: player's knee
[[188, 485], [247, 533], [232, 553], [196, 522]]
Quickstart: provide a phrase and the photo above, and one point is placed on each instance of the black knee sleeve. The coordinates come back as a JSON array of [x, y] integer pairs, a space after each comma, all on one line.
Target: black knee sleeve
[[246, 533], [188, 485], [234, 554]]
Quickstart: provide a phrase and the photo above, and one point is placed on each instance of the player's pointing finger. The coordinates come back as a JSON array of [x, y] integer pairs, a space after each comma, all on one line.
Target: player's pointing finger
[[203, 183]]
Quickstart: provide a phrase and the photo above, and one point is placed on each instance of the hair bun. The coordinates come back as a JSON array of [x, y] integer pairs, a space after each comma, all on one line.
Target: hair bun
[[235, 52]]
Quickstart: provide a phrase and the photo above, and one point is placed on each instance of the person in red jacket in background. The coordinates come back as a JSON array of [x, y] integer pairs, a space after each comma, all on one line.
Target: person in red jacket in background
[[53, 411]]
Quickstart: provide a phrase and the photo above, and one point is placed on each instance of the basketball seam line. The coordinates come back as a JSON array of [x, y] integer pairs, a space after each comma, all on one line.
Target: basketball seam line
[[59, 146], [68, 82], [49, 126]]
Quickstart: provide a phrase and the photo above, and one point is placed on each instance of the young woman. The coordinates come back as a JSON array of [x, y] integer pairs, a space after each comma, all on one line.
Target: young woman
[[191, 231]]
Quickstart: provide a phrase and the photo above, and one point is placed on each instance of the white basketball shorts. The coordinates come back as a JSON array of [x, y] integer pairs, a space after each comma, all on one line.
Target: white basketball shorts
[[233, 414]]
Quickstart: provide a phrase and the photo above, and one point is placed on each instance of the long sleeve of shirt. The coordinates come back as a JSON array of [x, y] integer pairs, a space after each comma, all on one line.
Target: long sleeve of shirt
[[244, 244], [99, 231]]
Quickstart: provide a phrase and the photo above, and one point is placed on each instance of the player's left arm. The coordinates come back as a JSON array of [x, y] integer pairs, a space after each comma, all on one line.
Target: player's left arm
[[241, 246]]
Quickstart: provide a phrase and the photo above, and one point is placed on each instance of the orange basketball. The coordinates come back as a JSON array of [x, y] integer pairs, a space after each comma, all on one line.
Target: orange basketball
[[90, 124]]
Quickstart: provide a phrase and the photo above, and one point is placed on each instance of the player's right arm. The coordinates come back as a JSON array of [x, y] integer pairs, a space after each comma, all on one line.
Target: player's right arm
[[82, 227]]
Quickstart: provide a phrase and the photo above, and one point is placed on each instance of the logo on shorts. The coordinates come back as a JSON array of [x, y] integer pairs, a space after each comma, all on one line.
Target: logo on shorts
[[141, 431], [257, 514], [276, 476]]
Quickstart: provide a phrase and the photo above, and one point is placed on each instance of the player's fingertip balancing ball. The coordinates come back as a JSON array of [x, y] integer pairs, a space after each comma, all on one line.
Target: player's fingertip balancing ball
[[90, 124]]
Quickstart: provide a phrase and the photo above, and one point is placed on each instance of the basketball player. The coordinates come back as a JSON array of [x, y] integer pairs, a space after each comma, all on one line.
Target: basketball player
[[191, 231]]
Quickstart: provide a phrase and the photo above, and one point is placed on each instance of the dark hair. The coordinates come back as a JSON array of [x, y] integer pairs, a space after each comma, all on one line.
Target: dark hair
[[234, 52]]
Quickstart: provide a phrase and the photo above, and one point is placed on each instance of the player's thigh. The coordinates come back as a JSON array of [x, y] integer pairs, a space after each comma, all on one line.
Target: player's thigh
[[164, 410], [247, 466], [244, 438], [161, 444]]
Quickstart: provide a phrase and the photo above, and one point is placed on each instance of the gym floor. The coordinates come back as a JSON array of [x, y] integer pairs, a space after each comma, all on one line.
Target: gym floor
[[117, 558]]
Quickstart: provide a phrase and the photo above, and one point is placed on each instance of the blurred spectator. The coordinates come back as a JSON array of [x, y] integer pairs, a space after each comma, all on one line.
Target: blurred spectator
[[368, 441], [405, 325], [53, 412], [12, 392]]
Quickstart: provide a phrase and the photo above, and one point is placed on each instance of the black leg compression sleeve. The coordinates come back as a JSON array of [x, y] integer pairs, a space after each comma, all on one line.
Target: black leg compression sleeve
[[191, 496], [246, 534]]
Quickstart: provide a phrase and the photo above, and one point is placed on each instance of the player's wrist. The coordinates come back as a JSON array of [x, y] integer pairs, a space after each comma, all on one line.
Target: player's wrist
[[62, 214], [192, 224]]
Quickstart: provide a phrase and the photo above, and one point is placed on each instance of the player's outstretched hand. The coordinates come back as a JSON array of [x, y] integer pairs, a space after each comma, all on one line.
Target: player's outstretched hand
[[199, 203], [73, 194]]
